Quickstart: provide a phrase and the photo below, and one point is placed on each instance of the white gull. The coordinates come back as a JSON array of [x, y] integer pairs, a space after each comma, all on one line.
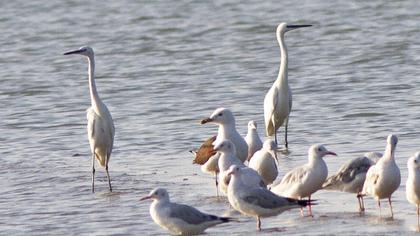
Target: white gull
[[252, 139], [412, 187], [264, 162]]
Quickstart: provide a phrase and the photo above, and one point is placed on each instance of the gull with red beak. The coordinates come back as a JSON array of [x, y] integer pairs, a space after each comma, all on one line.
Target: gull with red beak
[[278, 100], [303, 181], [383, 178], [227, 130], [179, 219], [256, 201], [100, 125], [264, 162]]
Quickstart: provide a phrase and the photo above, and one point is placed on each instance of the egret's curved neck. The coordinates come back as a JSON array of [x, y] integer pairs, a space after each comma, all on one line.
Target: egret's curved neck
[[94, 96], [282, 77]]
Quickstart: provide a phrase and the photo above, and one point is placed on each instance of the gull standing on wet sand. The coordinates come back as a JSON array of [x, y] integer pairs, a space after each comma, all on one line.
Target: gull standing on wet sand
[[252, 139], [305, 180], [383, 178], [278, 100], [179, 219], [208, 158], [258, 202], [228, 158], [351, 176], [412, 187], [264, 162], [227, 130], [100, 126]]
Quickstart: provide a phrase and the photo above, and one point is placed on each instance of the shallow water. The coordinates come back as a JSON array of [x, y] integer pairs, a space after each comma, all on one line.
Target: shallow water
[[161, 67]]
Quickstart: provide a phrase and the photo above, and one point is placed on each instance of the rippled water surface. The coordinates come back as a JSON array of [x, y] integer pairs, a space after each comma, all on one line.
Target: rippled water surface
[[161, 66]]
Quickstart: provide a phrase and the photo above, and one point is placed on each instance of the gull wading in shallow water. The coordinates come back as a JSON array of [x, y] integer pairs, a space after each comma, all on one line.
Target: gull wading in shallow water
[[227, 158], [383, 178], [278, 100], [305, 180], [412, 187], [179, 219], [208, 158], [256, 201], [227, 130], [100, 126], [252, 139], [351, 176]]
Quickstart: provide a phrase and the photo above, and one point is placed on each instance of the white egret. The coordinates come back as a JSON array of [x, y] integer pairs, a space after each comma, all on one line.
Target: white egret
[[100, 125], [278, 100]]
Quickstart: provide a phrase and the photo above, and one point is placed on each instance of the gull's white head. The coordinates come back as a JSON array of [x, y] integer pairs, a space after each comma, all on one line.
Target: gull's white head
[[221, 116], [252, 125], [413, 162], [85, 51], [226, 146], [391, 141], [157, 194], [233, 170], [319, 151], [270, 146]]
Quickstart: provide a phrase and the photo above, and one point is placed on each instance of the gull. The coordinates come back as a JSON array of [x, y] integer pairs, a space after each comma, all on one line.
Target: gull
[[256, 201], [177, 218], [100, 125], [278, 100], [264, 162], [227, 130], [412, 187], [383, 178], [351, 176], [252, 139], [208, 158], [228, 158], [305, 180]]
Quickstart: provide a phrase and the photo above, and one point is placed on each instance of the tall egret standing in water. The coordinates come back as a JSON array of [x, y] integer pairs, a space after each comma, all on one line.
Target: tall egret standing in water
[[100, 126], [278, 100]]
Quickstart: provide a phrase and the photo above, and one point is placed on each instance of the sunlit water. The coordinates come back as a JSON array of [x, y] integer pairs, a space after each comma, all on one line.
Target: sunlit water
[[164, 65]]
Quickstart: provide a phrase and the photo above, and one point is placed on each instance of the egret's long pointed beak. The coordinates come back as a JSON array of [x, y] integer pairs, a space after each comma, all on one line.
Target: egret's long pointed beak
[[292, 27], [207, 120], [78, 51], [331, 153], [145, 198]]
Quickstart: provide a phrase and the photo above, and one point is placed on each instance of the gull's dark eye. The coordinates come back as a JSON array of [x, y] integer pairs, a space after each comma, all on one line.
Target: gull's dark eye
[[319, 149], [415, 161], [220, 114]]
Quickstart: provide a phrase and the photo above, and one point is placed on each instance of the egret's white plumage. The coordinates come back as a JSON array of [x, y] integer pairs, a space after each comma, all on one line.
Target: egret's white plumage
[[412, 187], [264, 162], [351, 176], [100, 125], [253, 139], [383, 178], [305, 180], [179, 219], [278, 100], [256, 201], [227, 130], [228, 158]]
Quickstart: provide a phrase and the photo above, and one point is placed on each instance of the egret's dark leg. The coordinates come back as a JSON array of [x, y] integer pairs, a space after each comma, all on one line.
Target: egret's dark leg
[[93, 172], [217, 184], [109, 178], [285, 133], [363, 204]]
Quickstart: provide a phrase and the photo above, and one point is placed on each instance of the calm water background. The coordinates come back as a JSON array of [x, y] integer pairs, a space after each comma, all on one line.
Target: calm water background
[[164, 65]]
